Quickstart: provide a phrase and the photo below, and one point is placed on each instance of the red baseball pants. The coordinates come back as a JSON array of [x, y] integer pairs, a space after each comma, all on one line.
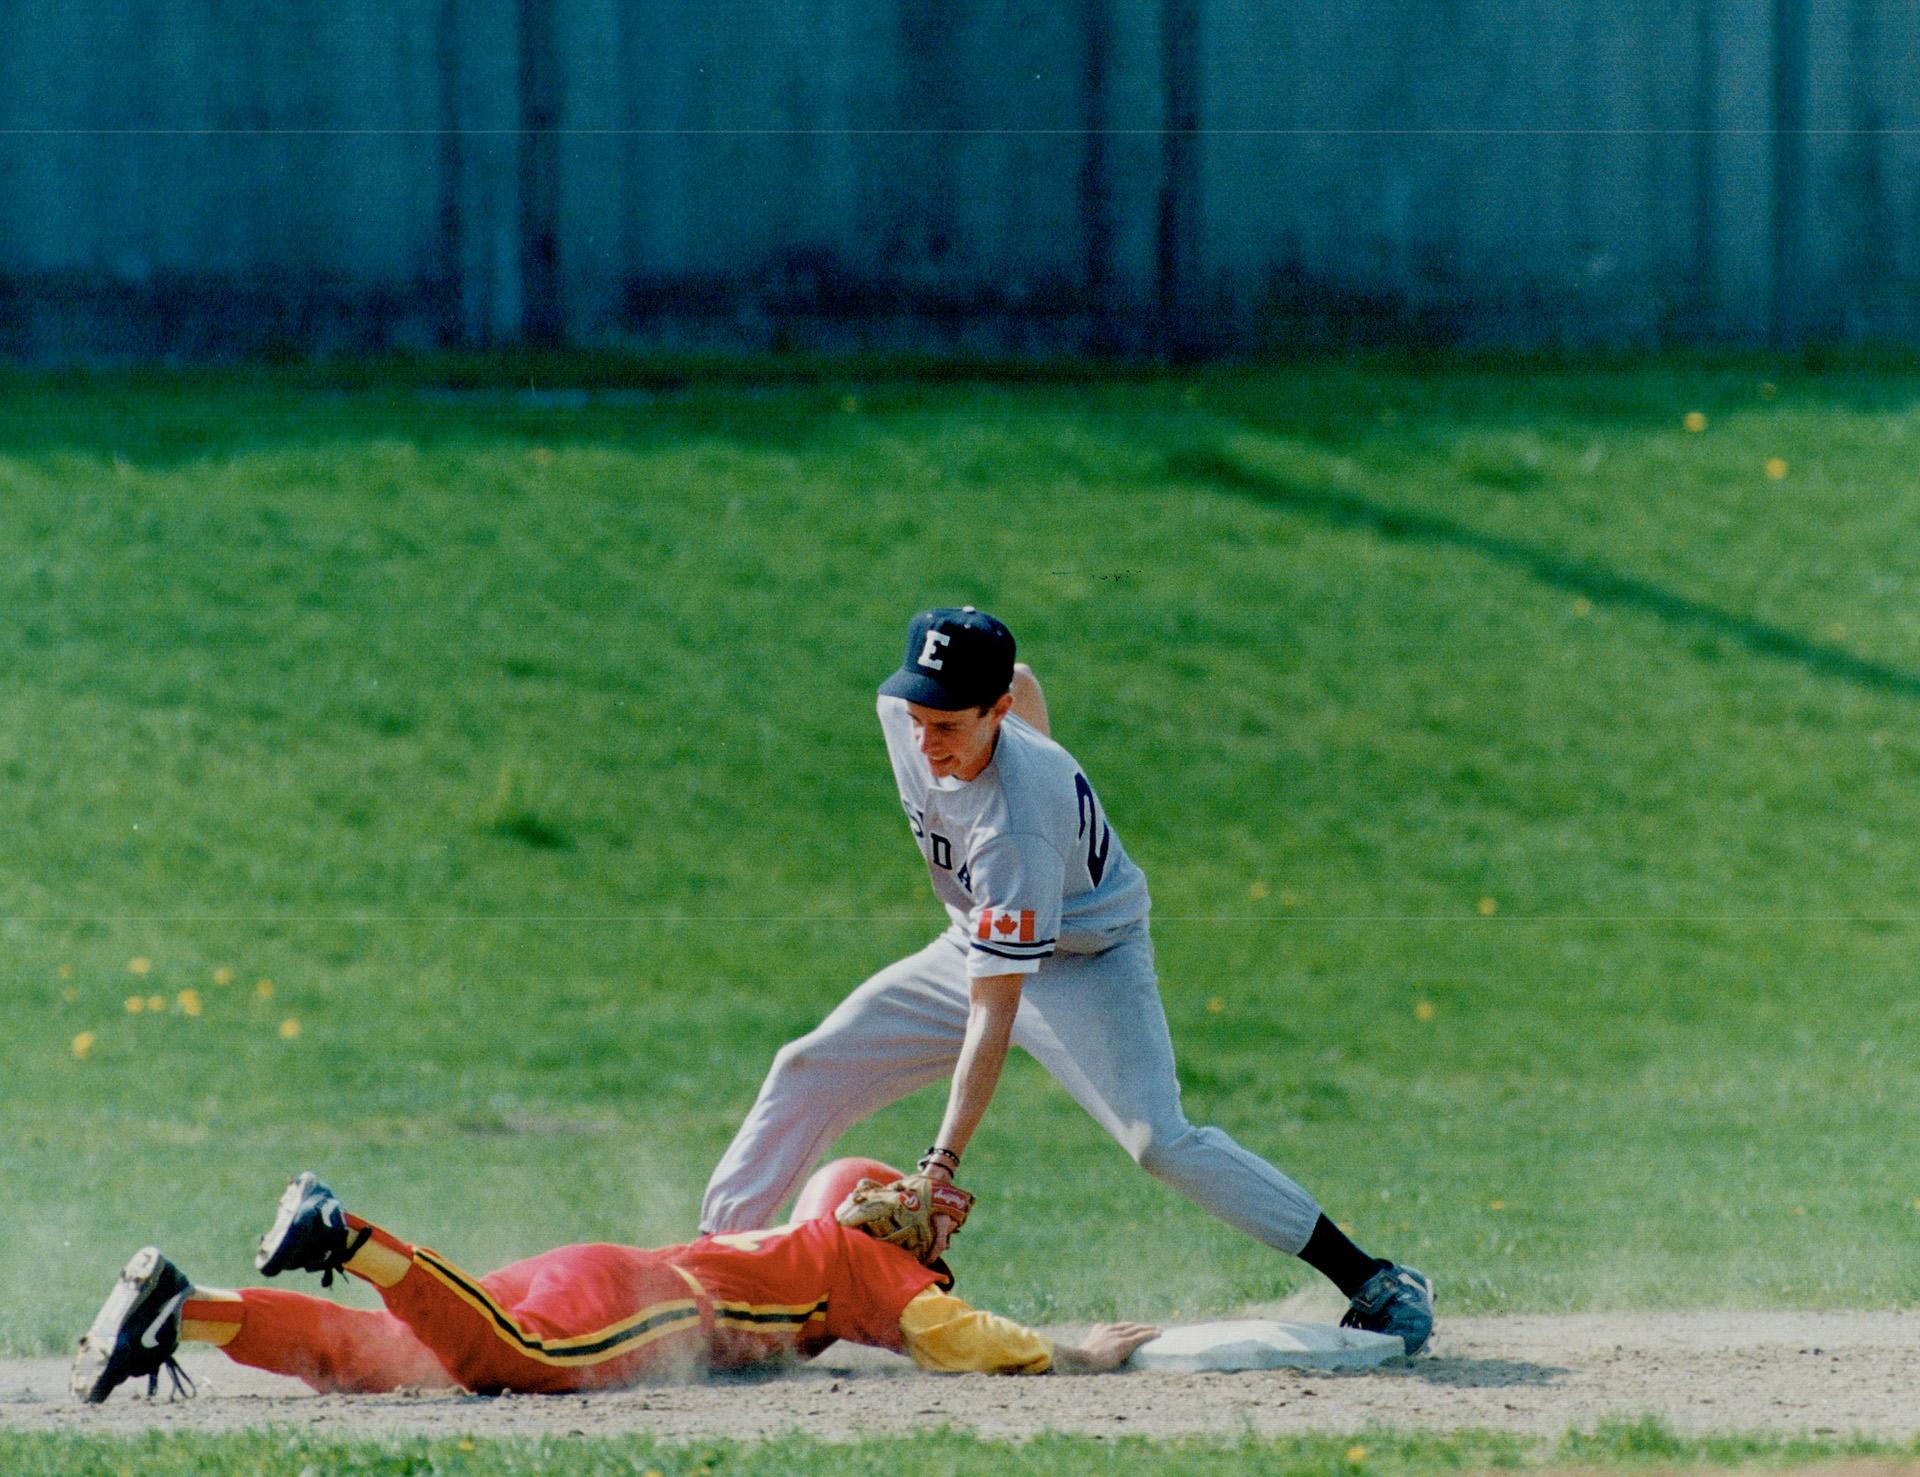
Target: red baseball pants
[[589, 1317]]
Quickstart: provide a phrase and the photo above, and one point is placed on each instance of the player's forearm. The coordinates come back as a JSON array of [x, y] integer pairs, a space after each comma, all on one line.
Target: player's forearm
[[982, 1054], [1029, 702], [943, 1334]]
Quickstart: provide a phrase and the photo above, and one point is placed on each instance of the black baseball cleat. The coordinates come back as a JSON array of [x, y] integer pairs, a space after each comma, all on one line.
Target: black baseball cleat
[[136, 1331], [309, 1232], [1396, 1300]]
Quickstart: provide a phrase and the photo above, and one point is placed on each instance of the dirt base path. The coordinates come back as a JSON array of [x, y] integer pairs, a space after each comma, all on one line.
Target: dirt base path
[[1840, 1373]]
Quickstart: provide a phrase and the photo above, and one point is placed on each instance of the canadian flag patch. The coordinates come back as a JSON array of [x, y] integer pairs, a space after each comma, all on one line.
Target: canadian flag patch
[[1006, 926]]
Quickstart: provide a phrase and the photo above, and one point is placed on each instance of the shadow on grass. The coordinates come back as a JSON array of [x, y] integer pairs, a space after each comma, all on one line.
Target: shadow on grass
[[532, 830], [1595, 582], [165, 425], [160, 416]]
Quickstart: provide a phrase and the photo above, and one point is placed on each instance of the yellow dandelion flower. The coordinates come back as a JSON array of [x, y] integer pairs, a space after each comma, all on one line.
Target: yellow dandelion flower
[[1768, 389], [69, 994], [223, 976], [264, 990], [156, 1004], [1695, 422], [1777, 468], [466, 1444], [289, 1029], [850, 405], [1356, 1453], [136, 1004], [188, 1001], [139, 964], [1423, 1011], [82, 1044], [1257, 890], [65, 971], [1215, 1005], [1488, 907], [1496, 1205], [1289, 898], [1582, 605], [1916, 1202]]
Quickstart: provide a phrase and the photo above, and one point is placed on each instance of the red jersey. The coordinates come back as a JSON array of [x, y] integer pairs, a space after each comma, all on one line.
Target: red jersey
[[792, 1290]]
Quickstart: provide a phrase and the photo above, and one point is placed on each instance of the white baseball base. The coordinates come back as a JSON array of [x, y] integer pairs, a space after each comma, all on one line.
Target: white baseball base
[[1261, 1343]]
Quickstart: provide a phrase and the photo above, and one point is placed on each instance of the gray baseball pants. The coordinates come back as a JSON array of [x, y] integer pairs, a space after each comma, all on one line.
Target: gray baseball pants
[[1094, 1021]]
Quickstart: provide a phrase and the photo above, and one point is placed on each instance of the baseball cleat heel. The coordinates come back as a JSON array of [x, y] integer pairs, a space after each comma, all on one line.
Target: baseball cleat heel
[[1395, 1300], [309, 1232], [136, 1331]]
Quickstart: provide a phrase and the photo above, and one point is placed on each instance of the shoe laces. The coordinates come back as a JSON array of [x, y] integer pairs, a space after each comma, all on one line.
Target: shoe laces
[[339, 1260], [183, 1384]]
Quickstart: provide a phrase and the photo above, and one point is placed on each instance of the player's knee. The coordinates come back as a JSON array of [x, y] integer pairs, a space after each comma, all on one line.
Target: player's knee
[[803, 1056], [1159, 1148]]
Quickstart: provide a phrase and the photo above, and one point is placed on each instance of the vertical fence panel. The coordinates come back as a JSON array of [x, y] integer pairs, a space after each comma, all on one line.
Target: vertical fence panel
[[182, 177]]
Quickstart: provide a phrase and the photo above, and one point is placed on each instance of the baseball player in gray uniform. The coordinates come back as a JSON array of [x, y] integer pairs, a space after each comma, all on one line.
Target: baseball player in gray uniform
[[1048, 949]]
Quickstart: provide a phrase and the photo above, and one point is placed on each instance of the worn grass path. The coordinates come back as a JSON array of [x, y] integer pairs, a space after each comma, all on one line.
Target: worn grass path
[[1829, 1377]]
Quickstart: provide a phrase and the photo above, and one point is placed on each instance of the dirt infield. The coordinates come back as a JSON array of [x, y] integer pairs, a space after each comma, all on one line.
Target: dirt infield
[[1842, 1373]]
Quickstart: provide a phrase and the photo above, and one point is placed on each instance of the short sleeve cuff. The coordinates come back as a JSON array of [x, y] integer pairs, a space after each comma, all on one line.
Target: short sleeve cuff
[[984, 960]]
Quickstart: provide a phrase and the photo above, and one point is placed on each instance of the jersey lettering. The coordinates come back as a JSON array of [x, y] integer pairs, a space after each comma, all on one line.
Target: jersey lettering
[[939, 848], [1098, 835], [935, 640], [1007, 836]]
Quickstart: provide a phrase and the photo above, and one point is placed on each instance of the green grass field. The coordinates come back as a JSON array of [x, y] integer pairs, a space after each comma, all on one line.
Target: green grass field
[[464, 794], [1639, 1447]]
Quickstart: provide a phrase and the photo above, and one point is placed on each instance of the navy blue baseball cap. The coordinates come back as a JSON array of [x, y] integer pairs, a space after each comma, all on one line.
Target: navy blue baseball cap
[[955, 659]]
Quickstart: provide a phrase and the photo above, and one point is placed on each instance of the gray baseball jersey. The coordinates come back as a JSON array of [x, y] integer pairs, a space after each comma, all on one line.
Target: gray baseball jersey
[[1022, 854], [1037, 884]]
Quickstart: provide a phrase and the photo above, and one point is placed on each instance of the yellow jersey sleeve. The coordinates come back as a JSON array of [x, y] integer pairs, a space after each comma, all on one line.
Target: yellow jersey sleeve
[[946, 1336]]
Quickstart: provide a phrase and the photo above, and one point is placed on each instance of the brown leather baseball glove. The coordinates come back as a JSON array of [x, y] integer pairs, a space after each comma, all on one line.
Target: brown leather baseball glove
[[902, 1213]]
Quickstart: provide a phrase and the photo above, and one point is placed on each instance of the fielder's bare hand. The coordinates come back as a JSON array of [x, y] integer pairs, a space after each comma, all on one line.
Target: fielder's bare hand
[[1106, 1347]]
